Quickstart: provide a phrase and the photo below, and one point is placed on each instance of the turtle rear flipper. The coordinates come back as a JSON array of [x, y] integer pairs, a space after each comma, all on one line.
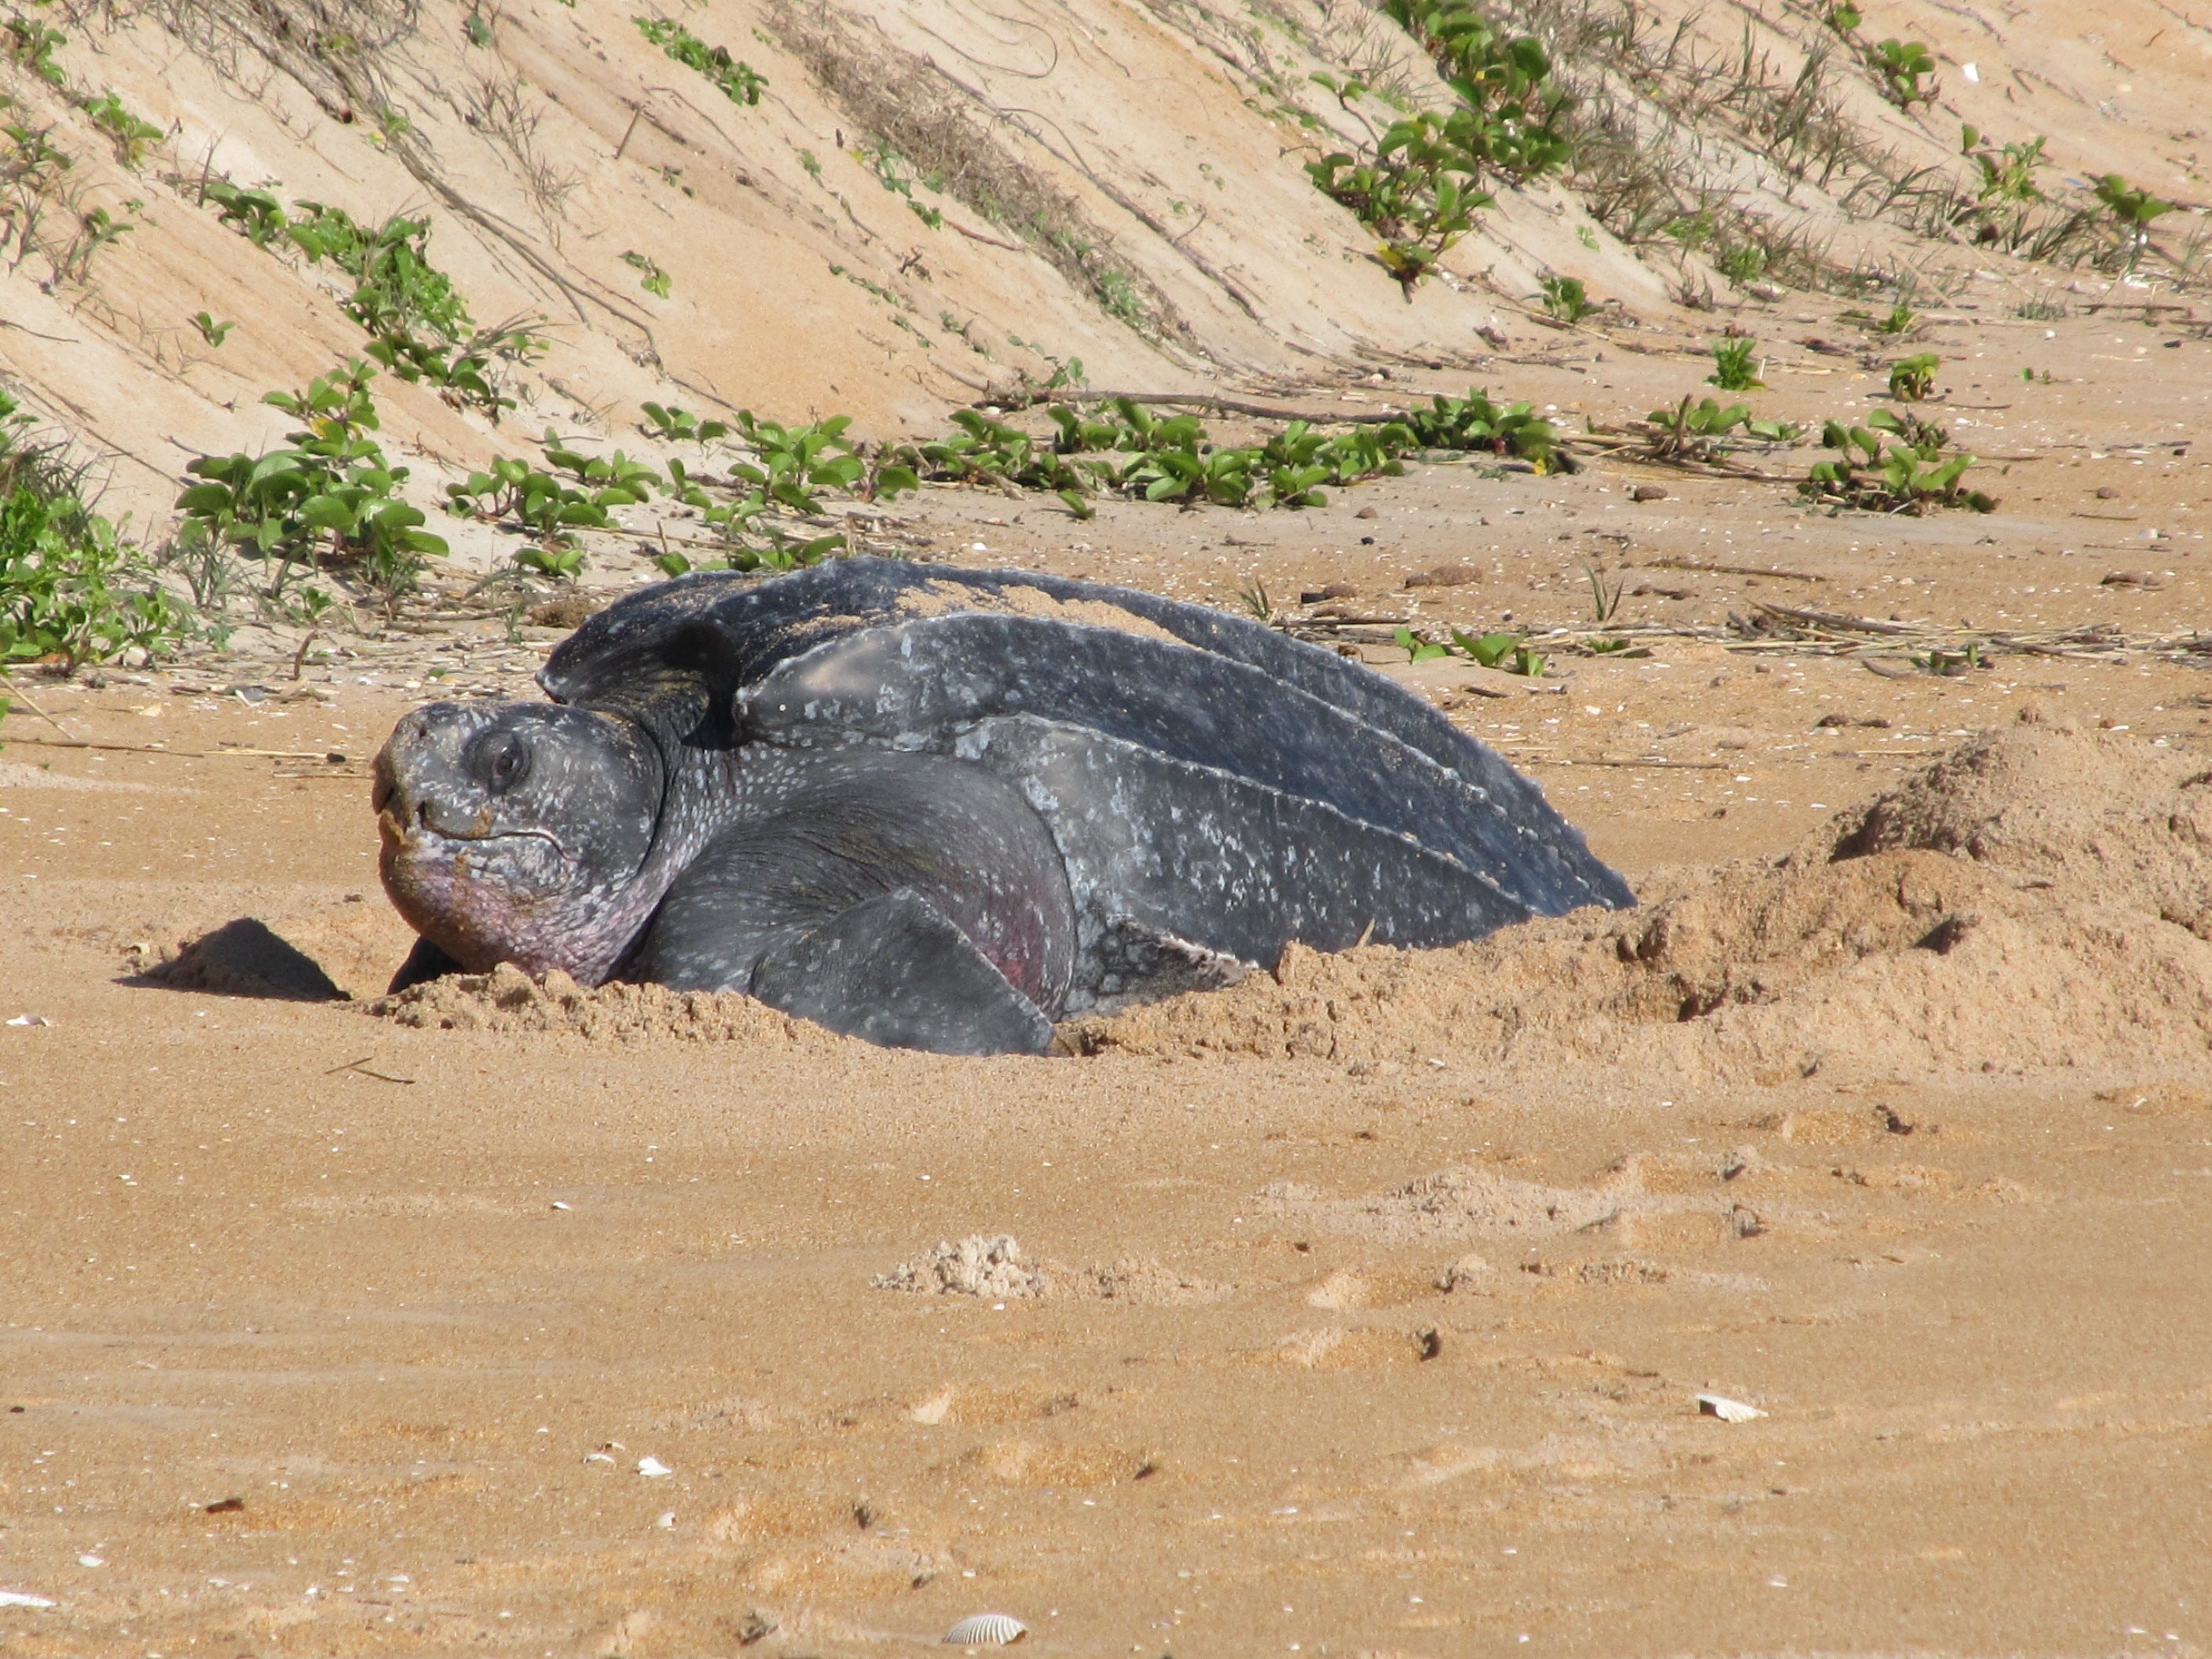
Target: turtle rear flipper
[[895, 971]]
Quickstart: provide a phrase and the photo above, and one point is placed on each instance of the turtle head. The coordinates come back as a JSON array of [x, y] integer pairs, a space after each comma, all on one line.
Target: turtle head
[[519, 832]]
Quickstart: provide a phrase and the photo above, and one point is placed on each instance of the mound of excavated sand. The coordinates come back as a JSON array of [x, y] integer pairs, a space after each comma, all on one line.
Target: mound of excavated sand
[[2037, 898], [977, 1265], [509, 999]]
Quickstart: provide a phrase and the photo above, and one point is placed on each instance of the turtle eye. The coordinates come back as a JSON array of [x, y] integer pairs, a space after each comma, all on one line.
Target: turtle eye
[[502, 761]]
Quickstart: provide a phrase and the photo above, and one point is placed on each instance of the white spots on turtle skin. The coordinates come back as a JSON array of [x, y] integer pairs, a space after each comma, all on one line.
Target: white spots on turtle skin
[[931, 682], [1184, 849], [1042, 799]]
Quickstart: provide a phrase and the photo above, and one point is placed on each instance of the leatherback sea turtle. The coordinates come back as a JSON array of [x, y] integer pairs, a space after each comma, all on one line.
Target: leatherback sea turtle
[[938, 808]]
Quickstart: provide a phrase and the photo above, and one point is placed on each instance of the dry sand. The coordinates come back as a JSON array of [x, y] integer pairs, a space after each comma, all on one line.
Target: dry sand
[[1361, 1307], [1360, 1310], [1375, 1295]]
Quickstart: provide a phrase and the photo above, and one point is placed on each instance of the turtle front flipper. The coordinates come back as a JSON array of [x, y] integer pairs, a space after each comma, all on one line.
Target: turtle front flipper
[[425, 963], [894, 971], [915, 900]]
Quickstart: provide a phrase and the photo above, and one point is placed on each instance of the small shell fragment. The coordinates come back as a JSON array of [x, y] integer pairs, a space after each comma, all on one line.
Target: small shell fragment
[[652, 1467], [986, 1629], [1728, 1411], [24, 1599]]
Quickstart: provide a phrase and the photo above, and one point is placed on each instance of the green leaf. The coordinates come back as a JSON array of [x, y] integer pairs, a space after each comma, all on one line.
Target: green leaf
[[328, 513]]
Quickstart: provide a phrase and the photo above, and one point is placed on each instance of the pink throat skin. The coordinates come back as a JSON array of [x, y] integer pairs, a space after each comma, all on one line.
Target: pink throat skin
[[481, 921]]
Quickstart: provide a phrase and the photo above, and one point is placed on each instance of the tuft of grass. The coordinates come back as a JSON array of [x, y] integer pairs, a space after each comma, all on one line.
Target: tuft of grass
[[1896, 463], [96, 229], [1605, 601], [73, 588], [330, 500], [1736, 365], [1913, 380], [738, 81], [651, 277], [1564, 298]]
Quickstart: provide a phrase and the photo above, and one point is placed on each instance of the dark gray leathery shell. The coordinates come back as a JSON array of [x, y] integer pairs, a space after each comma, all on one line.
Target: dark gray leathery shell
[[909, 684], [623, 659], [1238, 866]]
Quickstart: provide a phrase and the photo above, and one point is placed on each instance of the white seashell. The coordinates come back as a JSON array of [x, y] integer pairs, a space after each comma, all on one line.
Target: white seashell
[[986, 1629], [21, 1599], [597, 1457], [652, 1468], [667, 1521], [933, 1410], [1728, 1411]]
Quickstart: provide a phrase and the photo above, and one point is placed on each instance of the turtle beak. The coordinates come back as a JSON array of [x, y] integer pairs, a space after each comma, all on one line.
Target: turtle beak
[[386, 798], [419, 782], [402, 810]]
